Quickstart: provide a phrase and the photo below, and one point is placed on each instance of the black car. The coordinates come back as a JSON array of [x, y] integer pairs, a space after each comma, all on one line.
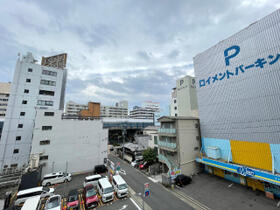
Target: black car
[[182, 180], [100, 169]]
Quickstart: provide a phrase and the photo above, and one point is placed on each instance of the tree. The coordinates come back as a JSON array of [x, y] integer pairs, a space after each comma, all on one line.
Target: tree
[[149, 155]]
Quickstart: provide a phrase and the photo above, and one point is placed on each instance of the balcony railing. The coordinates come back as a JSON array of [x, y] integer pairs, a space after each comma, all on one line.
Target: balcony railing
[[167, 144], [165, 160], [167, 130]]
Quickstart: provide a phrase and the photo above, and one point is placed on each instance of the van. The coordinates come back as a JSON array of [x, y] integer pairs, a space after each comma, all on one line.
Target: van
[[32, 203], [23, 195], [120, 186], [92, 180], [55, 178], [105, 190]]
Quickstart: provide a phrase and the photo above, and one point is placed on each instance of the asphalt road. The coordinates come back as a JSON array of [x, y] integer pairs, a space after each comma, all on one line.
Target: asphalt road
[[160, 198]]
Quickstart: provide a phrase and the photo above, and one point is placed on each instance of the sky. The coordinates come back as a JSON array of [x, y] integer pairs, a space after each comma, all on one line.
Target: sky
[[121, 49]]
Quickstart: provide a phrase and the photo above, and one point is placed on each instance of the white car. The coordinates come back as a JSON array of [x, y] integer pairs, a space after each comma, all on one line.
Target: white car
[[53, 203], [56, 178], [135, 162]]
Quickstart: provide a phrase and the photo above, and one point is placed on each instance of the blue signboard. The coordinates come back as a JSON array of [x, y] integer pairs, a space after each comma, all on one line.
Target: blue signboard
[[244, 171]]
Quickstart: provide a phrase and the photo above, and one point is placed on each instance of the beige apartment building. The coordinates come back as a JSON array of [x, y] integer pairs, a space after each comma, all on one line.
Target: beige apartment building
[[5, 88]]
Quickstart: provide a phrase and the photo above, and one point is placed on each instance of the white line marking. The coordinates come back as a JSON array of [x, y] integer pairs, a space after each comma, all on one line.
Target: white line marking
[[153, 180], [135, 203]]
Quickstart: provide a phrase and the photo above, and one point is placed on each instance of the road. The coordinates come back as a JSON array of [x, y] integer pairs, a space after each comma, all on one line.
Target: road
[[160, 198]]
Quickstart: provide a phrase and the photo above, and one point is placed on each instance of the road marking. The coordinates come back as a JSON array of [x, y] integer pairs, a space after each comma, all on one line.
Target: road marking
[[135, 203], [153, 180]]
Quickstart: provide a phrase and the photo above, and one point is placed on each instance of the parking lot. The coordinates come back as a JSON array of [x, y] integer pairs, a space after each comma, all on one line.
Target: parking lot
[[77, 183]]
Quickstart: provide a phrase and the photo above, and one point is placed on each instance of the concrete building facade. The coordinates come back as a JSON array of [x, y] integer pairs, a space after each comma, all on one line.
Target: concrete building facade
[[33, 86], [5, 89], [179, 145], [70, 145], [183, 98], [152, 132], [73, 108]]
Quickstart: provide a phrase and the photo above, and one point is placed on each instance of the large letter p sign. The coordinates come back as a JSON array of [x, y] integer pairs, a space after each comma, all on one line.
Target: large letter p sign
[[234, 49]]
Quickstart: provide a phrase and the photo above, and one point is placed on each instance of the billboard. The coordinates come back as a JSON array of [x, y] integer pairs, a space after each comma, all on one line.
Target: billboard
[[56, 61], [238, 84]]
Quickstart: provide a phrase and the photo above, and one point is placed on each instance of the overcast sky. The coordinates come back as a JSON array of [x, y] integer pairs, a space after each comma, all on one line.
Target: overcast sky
[[121, 49]]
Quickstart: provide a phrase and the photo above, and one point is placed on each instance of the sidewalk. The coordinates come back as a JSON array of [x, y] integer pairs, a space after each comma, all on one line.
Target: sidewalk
[[220, 194]]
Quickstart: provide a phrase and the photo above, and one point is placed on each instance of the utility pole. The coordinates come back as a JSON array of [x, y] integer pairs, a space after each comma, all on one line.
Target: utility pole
[[123, 137]]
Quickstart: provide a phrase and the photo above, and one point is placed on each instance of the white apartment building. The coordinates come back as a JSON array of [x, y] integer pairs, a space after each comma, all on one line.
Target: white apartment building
[[142, 113], [152, 132], [151, 105], [118, 111], [5, 88], [33, 86], [183, 98], [73, 108], [69, 145]]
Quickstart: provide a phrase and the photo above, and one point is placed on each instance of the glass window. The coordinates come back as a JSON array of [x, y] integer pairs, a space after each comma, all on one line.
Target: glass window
[[44, 157], [44, 103], [20, 125], [28, 80], [49, 114], [18, 138], [24, 102], [22, 113], [50, 73], [45, 142], [46, 92], [26, 91], [16, 151], [47, 82], [30, 70], [44, 128]]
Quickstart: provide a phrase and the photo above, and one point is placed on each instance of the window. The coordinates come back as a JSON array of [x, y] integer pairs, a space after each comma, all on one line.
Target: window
[[28, 80], [50, 73], [5, 166], [175, 107], [196, 148], [20, 126], [45, 142], [49, 113], [44, 157], [155, 139], [46, 127], [47, 82], [46, 92], [16, 151], [24, 102], [22, 113], [18, 138], [30, 70], [13, 165], [196, 125], [175, 114], [26, 91], [44, 103], [174, 101]]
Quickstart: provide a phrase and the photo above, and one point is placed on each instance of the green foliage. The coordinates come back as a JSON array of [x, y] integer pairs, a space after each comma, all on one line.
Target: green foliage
[[149, 155]]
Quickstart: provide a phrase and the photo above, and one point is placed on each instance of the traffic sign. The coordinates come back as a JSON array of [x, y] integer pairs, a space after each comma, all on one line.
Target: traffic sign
[[146, 190]]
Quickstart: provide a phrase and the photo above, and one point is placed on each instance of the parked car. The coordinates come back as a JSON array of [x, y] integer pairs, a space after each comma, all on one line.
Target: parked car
[[100, 169], [53, 203], [120, 186], [90, 196], [73, 200], [23, 195], [55, 178], [182, 180], [144, 165], [136, 163], [105, 190], [92, 180]]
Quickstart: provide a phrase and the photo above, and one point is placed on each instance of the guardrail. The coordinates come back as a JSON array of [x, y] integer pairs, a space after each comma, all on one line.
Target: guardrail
[[167, 130], [167, 144]]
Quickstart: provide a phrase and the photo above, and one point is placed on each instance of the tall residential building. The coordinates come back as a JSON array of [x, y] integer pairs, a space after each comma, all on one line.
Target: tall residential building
[[152, 105], [5, 89], [54, 134], [33, 86], [179, 145], [183, 98], [73, 108], [142, 113], [118, 111]]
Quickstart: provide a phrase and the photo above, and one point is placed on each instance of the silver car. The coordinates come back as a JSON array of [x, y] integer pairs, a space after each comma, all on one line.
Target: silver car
[[53, 203]]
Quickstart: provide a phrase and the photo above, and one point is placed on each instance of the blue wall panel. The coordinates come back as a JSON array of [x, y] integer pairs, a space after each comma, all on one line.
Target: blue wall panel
[[275, 151], [223, 144]]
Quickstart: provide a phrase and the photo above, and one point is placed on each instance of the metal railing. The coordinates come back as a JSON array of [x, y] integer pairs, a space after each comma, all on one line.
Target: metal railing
[[167, 144], [167, 130]]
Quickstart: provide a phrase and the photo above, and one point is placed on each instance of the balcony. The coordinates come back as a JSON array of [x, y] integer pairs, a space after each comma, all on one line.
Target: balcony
[[167, 131], [168, 145]]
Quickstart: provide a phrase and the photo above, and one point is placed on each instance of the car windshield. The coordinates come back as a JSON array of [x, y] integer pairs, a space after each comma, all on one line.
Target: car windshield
[[54, 202], [72, 198], [108, 190], [122, 186], [90, 192], [46, 189]]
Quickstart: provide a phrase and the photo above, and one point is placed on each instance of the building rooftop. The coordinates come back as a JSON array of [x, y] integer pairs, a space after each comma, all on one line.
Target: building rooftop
[[172, 118]]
